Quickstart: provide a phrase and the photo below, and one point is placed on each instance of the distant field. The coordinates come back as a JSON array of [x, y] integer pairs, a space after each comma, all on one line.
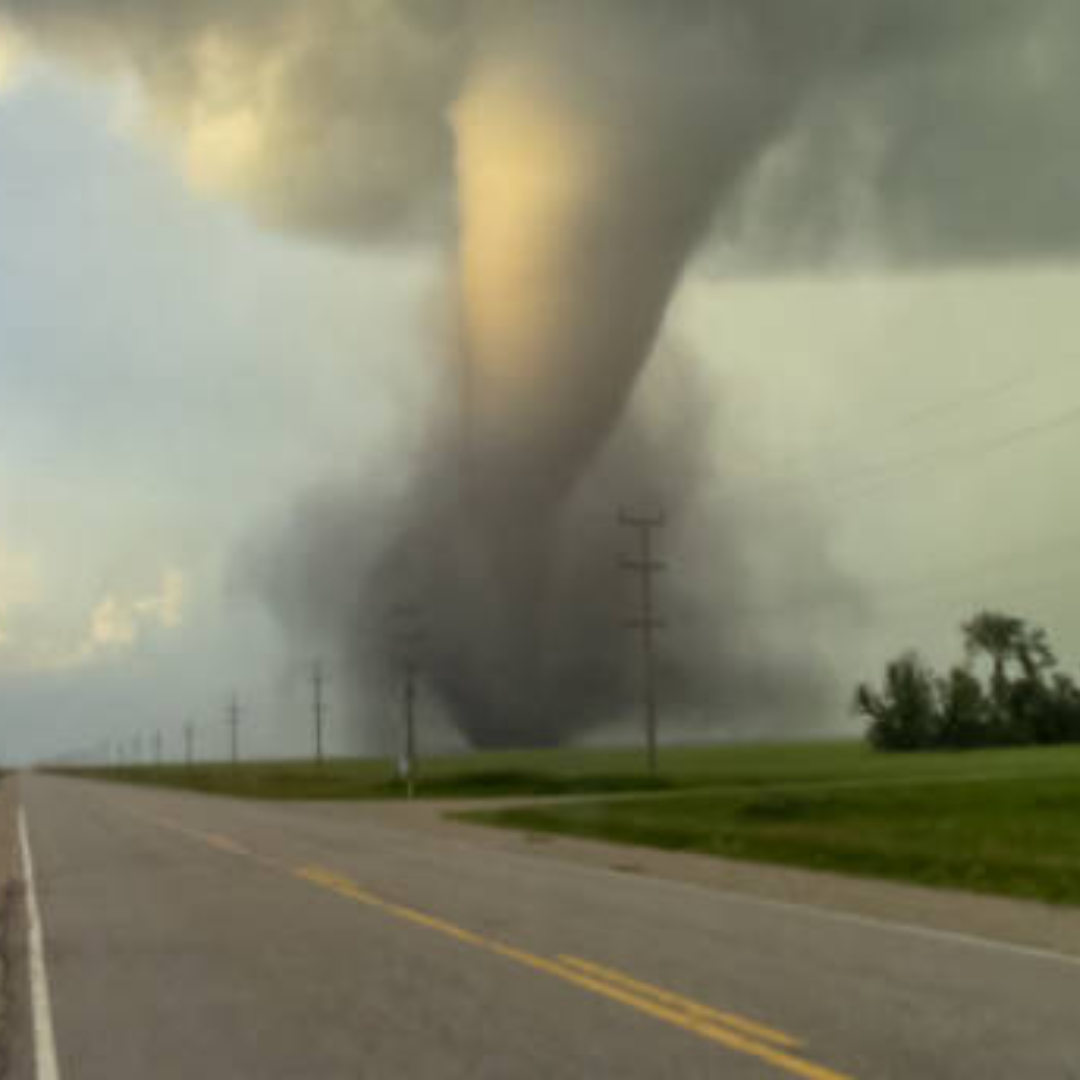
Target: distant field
[[1004, 822]]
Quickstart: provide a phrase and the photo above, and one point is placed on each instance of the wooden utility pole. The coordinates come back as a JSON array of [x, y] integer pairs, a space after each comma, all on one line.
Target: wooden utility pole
[[318, 707], [234, 729], [157, 747], [189, 744], [408, 635], [410, 725], [644, 565]]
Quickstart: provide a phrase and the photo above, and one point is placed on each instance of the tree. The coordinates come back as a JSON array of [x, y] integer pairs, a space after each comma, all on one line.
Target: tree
[[965, 710], [1027, 701], [904, 714], [1017, 703], [1005, 639], [1057, 719]]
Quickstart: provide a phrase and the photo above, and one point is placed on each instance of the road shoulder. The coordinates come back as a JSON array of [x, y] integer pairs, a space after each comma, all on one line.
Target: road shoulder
[[1019, 923]]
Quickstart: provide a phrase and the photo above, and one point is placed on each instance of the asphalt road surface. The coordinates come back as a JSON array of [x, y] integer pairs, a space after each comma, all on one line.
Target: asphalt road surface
[[198, 937]]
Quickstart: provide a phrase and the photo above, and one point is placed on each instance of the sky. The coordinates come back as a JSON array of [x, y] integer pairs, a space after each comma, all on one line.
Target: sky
[[175, 376]]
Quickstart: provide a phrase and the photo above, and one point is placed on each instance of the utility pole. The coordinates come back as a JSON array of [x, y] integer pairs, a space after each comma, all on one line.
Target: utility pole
[[157, 747], [136, 749], [318, 707], [234, 726], [645, 565], [189, 744], [408, 634]]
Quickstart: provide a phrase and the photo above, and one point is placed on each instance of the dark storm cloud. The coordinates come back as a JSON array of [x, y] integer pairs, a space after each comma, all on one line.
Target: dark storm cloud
[[948, 130], [949, 136], [578, 154]]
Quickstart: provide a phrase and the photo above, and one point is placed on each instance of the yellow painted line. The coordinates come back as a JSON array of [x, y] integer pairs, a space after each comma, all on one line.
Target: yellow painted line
[[660, 1004], [679, 1001], [225, 843], [215, 840], [731, 1040], [343, 886], [692, 1020], [329, 880], [439, 925]]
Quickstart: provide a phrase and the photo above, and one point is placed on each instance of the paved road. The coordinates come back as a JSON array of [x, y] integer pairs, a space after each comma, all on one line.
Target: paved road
[[196, 937]]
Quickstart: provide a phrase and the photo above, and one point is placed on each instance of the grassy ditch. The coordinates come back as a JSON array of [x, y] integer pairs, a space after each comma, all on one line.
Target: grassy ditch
[[1017, 837]]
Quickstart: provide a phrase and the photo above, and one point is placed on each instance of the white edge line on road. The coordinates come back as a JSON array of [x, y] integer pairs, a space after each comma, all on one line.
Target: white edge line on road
[[45, 1064], [871, 922], [814, 911], [827, 914]]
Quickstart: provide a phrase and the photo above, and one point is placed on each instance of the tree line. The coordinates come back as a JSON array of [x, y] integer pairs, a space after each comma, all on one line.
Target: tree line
[[1008, 691]]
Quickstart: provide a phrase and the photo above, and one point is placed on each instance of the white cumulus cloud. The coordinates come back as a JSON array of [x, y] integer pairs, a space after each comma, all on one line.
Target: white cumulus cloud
[[118, 622]]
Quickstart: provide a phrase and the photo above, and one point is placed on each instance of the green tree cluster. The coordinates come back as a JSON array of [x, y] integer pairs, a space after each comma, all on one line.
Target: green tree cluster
[[1008, 691]]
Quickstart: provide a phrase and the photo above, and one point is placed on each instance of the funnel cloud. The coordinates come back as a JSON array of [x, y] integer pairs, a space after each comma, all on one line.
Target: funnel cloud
[[573, 158]]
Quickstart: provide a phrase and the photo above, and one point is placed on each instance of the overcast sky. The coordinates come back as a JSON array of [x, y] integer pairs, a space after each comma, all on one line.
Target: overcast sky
[[173, 376]]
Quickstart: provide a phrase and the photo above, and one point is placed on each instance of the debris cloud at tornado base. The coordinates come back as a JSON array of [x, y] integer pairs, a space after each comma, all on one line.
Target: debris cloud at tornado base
[[573, 157]]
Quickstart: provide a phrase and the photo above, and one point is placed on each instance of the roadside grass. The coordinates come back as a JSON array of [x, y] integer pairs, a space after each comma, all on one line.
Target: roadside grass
[[577, 771], [1017, 837], [373, 779]]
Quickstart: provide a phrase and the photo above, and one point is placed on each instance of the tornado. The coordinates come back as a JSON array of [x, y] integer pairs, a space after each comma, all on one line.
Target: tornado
[[588, 163]]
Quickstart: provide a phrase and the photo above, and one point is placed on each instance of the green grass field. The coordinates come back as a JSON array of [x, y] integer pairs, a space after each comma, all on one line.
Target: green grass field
[[1005, 822], [1001, 821]]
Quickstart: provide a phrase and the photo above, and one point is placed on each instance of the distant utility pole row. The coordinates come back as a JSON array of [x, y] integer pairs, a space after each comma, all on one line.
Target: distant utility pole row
[[121, 752], [130, 751], [407, 637]]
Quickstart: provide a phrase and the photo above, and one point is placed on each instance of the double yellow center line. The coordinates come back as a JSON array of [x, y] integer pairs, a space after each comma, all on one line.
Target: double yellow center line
[[734, 1032]]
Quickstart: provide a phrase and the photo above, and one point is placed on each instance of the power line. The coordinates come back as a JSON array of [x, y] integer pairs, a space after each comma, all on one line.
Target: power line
[[935, 586], [797, 460], [975, 397], [847, 487], [916, 464], [1066, 543]]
